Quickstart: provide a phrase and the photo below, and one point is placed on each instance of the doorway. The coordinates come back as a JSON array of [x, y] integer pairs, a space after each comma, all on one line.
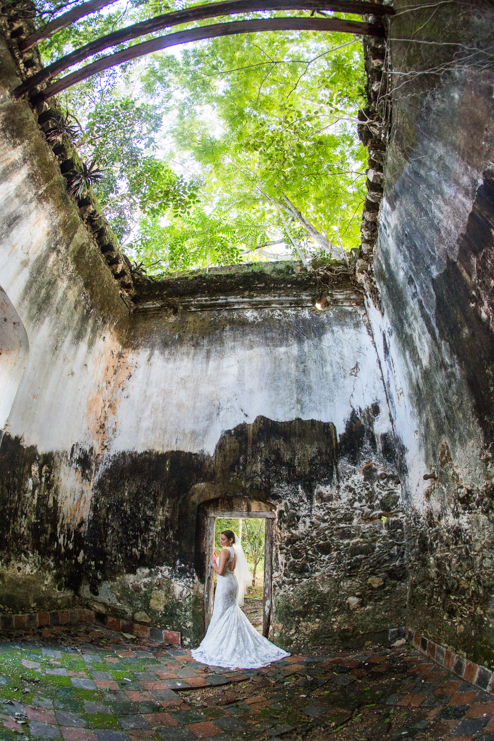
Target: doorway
[[14, 350], [267, 596]]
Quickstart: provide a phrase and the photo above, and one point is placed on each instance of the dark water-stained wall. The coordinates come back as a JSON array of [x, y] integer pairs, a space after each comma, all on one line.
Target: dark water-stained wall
[[61, 334], [124, 425], [434, 334], [283, 406]]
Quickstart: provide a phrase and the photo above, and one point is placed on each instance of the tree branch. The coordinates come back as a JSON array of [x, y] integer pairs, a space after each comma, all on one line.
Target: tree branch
[[321, 239], [287, 230]]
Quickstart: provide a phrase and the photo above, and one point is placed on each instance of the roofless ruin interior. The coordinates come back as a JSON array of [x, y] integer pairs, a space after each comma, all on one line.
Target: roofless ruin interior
[[246, 282]]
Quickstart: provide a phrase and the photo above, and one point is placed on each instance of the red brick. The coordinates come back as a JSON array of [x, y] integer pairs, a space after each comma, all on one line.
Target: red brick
[[434, 676], [106, 683], [490, 726], [480, 710], [374, 660], [78, 734], [167, 675], [126, 654], [416, 700], [416, 640], [449, 659], [155, 685], [137, 696], [293, 669], [236, 677], [197, 681], [431, 649], [432, 713], [43, 619], [470, 672], [41, 715], [87, 616], [113, 623], [171, 636], [20, 621], [252, 700], [63, 617], [446, 688], [463, 698], [405, 701], [359, 673], [141, 631], [448, 726], [10, 724], [422, 668], [161, 719], [206, 729]]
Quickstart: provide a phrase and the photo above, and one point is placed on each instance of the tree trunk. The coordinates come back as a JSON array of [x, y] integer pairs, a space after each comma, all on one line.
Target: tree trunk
[[320, 238]]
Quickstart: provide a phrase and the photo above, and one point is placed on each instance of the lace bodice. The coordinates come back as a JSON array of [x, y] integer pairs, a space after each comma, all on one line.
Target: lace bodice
[[232, 555]]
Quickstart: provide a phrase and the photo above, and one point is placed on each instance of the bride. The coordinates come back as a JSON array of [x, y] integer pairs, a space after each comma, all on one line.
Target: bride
[[231, 641]]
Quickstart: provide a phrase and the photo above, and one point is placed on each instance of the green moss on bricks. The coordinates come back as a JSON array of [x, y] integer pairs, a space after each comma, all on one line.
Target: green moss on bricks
[[101, 720]]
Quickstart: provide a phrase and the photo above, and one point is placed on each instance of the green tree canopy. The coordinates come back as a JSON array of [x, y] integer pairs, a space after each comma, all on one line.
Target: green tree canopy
[[228, 150]]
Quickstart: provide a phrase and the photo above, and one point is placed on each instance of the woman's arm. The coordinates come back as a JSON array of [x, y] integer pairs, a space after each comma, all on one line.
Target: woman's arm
[[224, 556]]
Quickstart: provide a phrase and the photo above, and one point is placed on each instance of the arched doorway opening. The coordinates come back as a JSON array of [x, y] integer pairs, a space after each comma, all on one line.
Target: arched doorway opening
[[237, 508], [14, 350]]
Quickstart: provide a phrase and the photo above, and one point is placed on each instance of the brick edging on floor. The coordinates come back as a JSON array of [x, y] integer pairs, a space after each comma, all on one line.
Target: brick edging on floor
[[43, 619], [466, 669]]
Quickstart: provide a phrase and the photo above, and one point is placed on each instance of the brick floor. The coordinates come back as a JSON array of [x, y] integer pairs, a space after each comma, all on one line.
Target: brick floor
[[96, 686]]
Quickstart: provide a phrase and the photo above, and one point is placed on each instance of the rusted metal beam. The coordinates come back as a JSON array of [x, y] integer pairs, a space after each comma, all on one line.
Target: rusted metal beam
[[64, 20], [207, 32], [194, 14], [358, 7]]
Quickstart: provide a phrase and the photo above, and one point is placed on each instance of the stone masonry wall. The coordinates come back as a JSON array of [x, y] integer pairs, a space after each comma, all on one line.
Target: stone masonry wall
[[434, 333], [61, 302], [125, 424], [254, 403]]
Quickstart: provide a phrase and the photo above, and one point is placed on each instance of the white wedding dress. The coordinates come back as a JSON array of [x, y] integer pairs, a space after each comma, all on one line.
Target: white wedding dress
[[231, 641]]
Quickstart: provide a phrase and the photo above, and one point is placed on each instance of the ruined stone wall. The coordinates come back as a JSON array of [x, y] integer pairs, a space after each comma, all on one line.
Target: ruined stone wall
[[434, 326], [124, 425], [60, 312], [283, 406]]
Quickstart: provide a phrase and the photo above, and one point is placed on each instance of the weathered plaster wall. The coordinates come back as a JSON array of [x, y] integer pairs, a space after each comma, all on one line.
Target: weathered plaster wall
[[435, 278], [61, 308], [280, 405], [123, 426]]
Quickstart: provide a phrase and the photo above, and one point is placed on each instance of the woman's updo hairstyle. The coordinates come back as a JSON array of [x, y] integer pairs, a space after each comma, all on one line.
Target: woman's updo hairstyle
[[229, 534]]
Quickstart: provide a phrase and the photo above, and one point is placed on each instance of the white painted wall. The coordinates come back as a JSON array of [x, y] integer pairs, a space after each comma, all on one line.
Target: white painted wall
[[14, 350], [182, 395]]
